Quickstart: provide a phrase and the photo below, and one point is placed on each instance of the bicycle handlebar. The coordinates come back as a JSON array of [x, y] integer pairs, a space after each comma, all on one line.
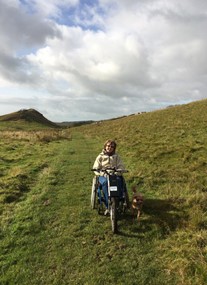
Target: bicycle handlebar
[[105, 170]]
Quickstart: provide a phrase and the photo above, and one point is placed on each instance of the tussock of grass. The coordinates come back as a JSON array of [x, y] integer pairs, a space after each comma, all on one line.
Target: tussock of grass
[[185, 257], [34, 136]]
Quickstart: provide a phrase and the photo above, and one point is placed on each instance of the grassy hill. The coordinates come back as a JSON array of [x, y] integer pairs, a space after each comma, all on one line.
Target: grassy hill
[[49, 235], [27, 115], [32, 119]]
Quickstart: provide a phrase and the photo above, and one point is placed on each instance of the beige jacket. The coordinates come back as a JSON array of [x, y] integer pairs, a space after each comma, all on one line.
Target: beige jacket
[[103, 160]]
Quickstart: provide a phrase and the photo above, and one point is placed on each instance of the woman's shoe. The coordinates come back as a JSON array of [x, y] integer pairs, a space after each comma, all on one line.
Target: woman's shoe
[[106, 213]]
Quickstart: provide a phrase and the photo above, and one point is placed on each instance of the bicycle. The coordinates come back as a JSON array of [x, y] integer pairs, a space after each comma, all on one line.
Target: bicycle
[[117, 198]]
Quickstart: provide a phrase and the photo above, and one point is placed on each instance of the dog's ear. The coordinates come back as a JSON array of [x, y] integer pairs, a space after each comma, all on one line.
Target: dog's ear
[[140, 196], [134, 190]]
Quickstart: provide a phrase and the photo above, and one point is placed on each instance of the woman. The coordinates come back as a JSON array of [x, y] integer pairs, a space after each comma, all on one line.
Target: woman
[[108, 158]]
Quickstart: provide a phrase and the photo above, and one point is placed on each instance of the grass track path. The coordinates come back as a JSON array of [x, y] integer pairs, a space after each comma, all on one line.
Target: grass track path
[[55, 238]]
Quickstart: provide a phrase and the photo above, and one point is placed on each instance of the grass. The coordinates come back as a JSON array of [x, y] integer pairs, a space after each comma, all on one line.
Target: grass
[[49, 235]]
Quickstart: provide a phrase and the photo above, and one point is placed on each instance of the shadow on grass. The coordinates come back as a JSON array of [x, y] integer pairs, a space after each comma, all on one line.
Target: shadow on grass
[[159, 218]]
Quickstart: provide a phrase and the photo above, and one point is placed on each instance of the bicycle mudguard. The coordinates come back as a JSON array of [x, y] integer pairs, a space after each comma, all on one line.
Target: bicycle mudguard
[[113, 187]]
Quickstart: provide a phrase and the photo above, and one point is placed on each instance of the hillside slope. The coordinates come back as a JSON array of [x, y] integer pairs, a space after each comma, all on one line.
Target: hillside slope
[[45, 201], [161, 147]]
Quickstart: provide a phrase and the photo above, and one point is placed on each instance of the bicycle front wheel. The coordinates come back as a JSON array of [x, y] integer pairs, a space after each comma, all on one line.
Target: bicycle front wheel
[[114, 214]]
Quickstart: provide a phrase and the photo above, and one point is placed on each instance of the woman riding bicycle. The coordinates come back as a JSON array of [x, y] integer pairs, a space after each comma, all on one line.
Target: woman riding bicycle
[[108, 158]]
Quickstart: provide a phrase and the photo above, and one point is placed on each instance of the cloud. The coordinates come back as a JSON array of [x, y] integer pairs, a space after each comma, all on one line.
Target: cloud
[[102, 59], [20, 30]]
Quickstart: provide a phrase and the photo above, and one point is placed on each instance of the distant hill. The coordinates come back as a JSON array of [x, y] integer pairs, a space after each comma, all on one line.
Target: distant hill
[[74, 123], [33, 116], [29, 115]]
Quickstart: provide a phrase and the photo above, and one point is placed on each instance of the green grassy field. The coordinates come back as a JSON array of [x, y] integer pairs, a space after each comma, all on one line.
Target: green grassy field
[[49, 234]]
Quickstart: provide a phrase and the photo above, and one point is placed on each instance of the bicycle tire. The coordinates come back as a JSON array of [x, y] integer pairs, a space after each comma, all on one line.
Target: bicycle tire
[[114, 215], [93, 193]]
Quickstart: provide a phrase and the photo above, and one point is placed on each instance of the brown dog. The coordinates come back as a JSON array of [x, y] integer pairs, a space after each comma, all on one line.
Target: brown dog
[[137, 202]]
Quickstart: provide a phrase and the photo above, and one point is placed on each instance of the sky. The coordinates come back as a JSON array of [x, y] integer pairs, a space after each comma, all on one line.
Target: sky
[[74, 60]]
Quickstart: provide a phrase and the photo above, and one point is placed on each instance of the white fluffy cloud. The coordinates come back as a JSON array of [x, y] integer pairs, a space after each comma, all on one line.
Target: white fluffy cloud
[[79, 60]]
